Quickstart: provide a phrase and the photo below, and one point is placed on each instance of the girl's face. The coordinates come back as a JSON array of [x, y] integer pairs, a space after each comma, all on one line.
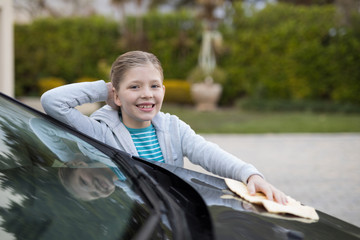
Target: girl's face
[[92, 183], [140, 96]]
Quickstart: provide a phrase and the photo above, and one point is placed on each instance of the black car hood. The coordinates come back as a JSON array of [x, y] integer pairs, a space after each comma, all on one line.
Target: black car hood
[[234, 218]]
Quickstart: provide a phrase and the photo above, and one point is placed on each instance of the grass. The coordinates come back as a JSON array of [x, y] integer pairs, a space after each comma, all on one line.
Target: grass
[[235, 120]]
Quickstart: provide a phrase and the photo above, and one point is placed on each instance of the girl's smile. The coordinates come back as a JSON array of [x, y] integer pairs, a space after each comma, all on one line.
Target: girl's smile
[[146, 107]]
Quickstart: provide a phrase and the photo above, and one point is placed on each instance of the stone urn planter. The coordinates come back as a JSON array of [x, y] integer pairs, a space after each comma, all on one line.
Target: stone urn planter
[[206, 95]]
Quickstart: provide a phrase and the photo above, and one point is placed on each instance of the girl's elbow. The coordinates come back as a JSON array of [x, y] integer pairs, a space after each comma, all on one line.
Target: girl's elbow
[[47, 100]]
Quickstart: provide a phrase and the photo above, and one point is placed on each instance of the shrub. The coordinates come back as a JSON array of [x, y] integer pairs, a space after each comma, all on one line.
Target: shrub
[[174, 38], [48, 83], [86, 79], [67, 48], [291, 52], [281, 52], [177, 91], [198, 75]]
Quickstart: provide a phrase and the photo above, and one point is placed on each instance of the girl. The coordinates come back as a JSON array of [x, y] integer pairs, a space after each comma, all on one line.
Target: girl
[[131, 121]]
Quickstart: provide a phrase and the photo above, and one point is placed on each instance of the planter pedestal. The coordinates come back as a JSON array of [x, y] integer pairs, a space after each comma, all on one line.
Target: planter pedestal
[[206, 95]]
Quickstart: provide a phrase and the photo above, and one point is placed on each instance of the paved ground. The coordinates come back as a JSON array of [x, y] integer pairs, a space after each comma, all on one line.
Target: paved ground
[[319, 170]]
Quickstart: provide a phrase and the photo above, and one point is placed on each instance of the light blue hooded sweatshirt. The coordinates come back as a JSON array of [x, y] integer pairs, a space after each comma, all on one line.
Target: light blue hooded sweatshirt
[[177, 140]]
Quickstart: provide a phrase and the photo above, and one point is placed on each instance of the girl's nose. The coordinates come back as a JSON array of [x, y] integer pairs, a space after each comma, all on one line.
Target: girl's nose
[[146, 93]]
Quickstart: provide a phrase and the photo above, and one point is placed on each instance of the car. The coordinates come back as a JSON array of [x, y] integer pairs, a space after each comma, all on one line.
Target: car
[[57, 183]]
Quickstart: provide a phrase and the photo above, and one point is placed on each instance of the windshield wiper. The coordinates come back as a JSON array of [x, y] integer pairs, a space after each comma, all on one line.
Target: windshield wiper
[[152, 223], [160, 200], [165, 205], [141, 179]]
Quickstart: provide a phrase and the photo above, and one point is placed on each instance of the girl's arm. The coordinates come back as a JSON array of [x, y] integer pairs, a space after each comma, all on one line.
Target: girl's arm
[[60, 103], [214, 159]]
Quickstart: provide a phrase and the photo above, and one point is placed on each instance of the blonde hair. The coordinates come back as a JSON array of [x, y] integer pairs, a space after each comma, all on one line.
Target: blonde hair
[[130, 60]]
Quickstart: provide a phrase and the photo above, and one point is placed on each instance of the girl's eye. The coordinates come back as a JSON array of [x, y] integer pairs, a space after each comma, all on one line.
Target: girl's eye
[[134, 87], [155, 86]]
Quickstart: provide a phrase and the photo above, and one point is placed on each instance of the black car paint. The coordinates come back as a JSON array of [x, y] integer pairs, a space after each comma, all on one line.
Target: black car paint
[[234, 218]]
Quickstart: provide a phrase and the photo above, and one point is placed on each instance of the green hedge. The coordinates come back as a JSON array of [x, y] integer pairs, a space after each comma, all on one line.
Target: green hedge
[[282, 52], [174, 38], [65, 48], [72, 48], [287, 52]]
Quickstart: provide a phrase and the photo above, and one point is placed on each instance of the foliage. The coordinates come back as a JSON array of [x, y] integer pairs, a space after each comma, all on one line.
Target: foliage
[[174, 38], [281, 52], [177, 91], [198, 75], [46, 84], [85, 79], [67, 48], [291, 52]]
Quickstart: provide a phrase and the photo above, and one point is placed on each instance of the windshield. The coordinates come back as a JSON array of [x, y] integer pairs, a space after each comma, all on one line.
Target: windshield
[[55, 185]]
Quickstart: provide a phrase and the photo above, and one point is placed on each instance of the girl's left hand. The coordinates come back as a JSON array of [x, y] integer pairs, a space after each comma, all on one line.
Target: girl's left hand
[[257, 184]]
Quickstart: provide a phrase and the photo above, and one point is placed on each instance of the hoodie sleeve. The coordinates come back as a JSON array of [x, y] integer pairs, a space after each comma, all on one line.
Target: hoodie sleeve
[[60, 104], [212, 158]]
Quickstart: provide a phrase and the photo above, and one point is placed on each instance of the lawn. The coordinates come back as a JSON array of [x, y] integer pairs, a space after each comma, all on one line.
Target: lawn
[[235, 120]]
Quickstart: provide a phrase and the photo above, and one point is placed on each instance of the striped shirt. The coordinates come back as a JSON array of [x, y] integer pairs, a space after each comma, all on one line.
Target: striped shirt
[[146, 143], [118, 173]]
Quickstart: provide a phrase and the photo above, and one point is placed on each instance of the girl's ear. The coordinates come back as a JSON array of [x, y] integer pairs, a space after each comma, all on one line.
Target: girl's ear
[[116, 98]]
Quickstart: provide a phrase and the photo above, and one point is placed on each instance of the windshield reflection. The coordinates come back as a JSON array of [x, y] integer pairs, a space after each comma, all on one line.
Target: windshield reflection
[[84, 171], [47, 172], [88, 183]]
